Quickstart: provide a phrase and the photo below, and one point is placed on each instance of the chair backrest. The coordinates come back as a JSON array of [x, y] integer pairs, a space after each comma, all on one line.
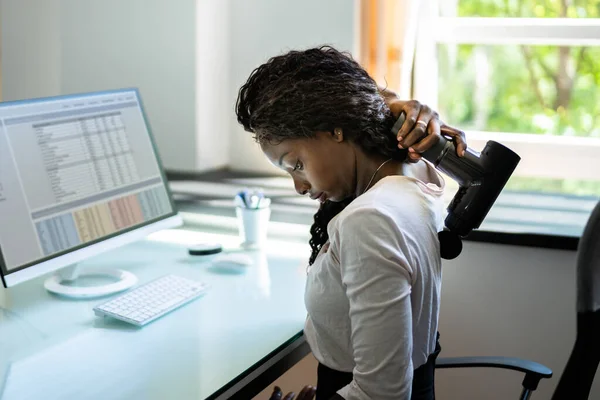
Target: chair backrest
[[578, 376]]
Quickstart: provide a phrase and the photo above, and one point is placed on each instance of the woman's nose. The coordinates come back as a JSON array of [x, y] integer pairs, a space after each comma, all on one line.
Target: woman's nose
[[302, 187]]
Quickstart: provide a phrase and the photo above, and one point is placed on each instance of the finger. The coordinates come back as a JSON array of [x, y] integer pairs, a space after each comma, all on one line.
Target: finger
[[416, 135], [433, 137], [411, 110], [277, 393], [434, 129], [307, 393], [458, 136], [420, 129], [397, 107], [290, 396], [413, 156]]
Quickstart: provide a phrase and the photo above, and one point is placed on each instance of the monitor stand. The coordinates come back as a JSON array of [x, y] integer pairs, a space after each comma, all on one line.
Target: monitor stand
[[56, 283]]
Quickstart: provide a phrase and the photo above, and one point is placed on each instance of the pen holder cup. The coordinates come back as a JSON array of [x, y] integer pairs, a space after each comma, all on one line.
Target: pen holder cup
[[253, 224]]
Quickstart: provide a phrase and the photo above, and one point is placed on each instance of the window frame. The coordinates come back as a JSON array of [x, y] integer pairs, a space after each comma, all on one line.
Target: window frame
[[543, 156]]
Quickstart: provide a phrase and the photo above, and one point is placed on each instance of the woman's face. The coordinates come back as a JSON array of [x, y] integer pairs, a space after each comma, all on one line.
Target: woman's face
[[322, 167]]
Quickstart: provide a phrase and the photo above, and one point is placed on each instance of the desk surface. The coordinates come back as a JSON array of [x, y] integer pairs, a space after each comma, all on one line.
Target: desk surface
[[53, 348]]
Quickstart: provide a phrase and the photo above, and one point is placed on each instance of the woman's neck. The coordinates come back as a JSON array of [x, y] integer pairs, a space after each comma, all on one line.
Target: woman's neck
[[372, 168]]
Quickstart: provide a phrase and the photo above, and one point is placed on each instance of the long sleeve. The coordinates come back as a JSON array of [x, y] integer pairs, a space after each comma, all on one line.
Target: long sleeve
[[377, 280]]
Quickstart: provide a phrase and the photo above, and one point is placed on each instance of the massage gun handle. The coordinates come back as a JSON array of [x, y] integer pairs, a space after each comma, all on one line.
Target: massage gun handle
[[443, 156], [464, 170]]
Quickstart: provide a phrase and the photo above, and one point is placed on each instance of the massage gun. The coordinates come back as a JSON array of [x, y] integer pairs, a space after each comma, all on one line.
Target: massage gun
[[481, 177]]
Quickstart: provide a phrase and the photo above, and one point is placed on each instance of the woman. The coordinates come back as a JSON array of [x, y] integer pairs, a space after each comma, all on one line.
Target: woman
[[374, 276]]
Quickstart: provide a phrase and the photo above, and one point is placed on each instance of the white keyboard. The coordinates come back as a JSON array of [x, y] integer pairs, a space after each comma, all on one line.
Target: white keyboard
[[152, 300]]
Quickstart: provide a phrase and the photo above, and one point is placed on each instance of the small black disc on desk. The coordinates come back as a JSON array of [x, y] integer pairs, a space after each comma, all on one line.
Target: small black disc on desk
[[205, 249]]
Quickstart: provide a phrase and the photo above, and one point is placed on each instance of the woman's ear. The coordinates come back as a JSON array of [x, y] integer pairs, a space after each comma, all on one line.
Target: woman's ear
[[338, 135]]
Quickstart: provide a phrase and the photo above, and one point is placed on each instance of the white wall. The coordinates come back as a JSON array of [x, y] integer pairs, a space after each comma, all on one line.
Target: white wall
[[214, 106], [30, 48], [68, 46], [261, 29]]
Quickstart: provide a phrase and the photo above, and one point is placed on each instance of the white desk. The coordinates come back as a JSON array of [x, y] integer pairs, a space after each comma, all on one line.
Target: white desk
[[53, 348]]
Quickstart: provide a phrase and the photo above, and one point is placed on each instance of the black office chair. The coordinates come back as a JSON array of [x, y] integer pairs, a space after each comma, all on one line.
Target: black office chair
[[578, 376]]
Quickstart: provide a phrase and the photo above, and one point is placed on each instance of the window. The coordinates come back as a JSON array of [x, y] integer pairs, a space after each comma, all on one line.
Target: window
[[525, 73]]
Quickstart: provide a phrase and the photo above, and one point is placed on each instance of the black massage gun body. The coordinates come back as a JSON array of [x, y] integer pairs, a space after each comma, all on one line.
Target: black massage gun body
[[481, 177]]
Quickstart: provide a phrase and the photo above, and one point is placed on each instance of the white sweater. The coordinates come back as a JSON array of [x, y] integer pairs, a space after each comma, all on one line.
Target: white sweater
[[373, 296]]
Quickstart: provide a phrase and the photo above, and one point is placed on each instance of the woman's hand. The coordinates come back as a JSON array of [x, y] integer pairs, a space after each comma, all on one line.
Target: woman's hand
[[422, 128], [307, 393]]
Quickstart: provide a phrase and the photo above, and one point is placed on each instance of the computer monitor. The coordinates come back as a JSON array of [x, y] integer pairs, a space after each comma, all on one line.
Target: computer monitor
[[79, 175]]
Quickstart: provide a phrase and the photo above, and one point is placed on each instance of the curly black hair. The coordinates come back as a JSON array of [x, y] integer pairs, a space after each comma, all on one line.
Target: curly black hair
[[319, 89]]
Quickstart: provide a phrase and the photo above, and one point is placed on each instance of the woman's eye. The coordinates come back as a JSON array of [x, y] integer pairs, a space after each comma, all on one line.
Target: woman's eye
[[298, 166]]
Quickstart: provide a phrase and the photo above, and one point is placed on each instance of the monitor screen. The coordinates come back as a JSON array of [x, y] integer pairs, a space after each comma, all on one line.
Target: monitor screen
[[74, 171]]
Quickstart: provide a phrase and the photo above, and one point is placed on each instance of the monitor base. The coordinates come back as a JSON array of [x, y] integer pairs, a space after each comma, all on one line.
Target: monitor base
[[56, 283]]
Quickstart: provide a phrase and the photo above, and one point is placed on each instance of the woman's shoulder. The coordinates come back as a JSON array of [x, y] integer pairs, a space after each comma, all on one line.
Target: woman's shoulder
[[391, 230], [399, 202], [421, 175], [363, 216], [358, 220]]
